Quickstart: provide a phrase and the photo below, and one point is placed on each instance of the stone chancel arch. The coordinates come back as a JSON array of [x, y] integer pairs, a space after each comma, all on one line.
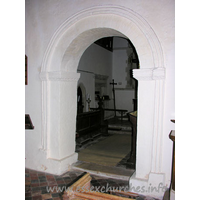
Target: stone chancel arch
[[59, 79], [122, 20]]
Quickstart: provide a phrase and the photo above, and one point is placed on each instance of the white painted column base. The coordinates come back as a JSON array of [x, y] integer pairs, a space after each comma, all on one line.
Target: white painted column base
[[153, 186], [172, 195], [64, 164], [53, 166]]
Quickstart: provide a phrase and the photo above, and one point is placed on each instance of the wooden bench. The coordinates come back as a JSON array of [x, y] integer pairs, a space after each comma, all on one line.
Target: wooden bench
[[88, 126], [122, 111]]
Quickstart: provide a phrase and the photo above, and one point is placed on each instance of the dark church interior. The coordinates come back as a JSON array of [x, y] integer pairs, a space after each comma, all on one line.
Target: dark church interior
[[108, 144]]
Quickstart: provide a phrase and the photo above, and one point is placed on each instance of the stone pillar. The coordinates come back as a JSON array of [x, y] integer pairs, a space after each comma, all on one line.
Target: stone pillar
[[59, 121], [149, 131]]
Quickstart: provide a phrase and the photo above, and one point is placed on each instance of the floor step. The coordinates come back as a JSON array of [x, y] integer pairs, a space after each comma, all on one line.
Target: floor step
[[119, 130], [105, 171]]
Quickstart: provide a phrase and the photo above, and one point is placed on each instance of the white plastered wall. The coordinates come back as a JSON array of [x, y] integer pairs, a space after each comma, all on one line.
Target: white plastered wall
[[94, 61], [50, 147]]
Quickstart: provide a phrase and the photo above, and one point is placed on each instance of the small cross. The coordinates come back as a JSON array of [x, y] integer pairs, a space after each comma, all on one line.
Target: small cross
[[113, 83]]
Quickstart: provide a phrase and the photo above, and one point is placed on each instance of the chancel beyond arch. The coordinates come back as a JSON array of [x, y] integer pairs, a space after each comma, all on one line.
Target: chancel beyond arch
[[59, 79]]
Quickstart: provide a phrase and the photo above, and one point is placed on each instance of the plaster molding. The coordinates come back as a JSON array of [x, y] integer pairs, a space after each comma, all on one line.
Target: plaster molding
[[158, 127], [45, 114], [154, 180], [121, 11], [60, 76], [158, 74], [149, 74], [142, 74]]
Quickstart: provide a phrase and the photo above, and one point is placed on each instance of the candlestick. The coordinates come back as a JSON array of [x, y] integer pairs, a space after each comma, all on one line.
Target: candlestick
[[88, 101]]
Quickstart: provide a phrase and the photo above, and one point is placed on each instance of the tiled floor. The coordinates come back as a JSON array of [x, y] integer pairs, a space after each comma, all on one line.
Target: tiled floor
[[37, 184]]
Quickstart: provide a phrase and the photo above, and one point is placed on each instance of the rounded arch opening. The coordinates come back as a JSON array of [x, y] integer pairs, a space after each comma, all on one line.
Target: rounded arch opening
[[78, 46], [95, 56], [59, 78], [76, 34]]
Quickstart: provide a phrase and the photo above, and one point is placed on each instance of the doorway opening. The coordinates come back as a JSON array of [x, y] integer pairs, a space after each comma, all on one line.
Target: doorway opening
[[59, 79], [106, 142]]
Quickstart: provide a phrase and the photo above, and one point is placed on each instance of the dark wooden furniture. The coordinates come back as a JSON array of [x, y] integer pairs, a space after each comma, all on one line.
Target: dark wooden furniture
[[131, 162], [88, 126], [134, 104], [118, 110], [80, 101], [172, 137]]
